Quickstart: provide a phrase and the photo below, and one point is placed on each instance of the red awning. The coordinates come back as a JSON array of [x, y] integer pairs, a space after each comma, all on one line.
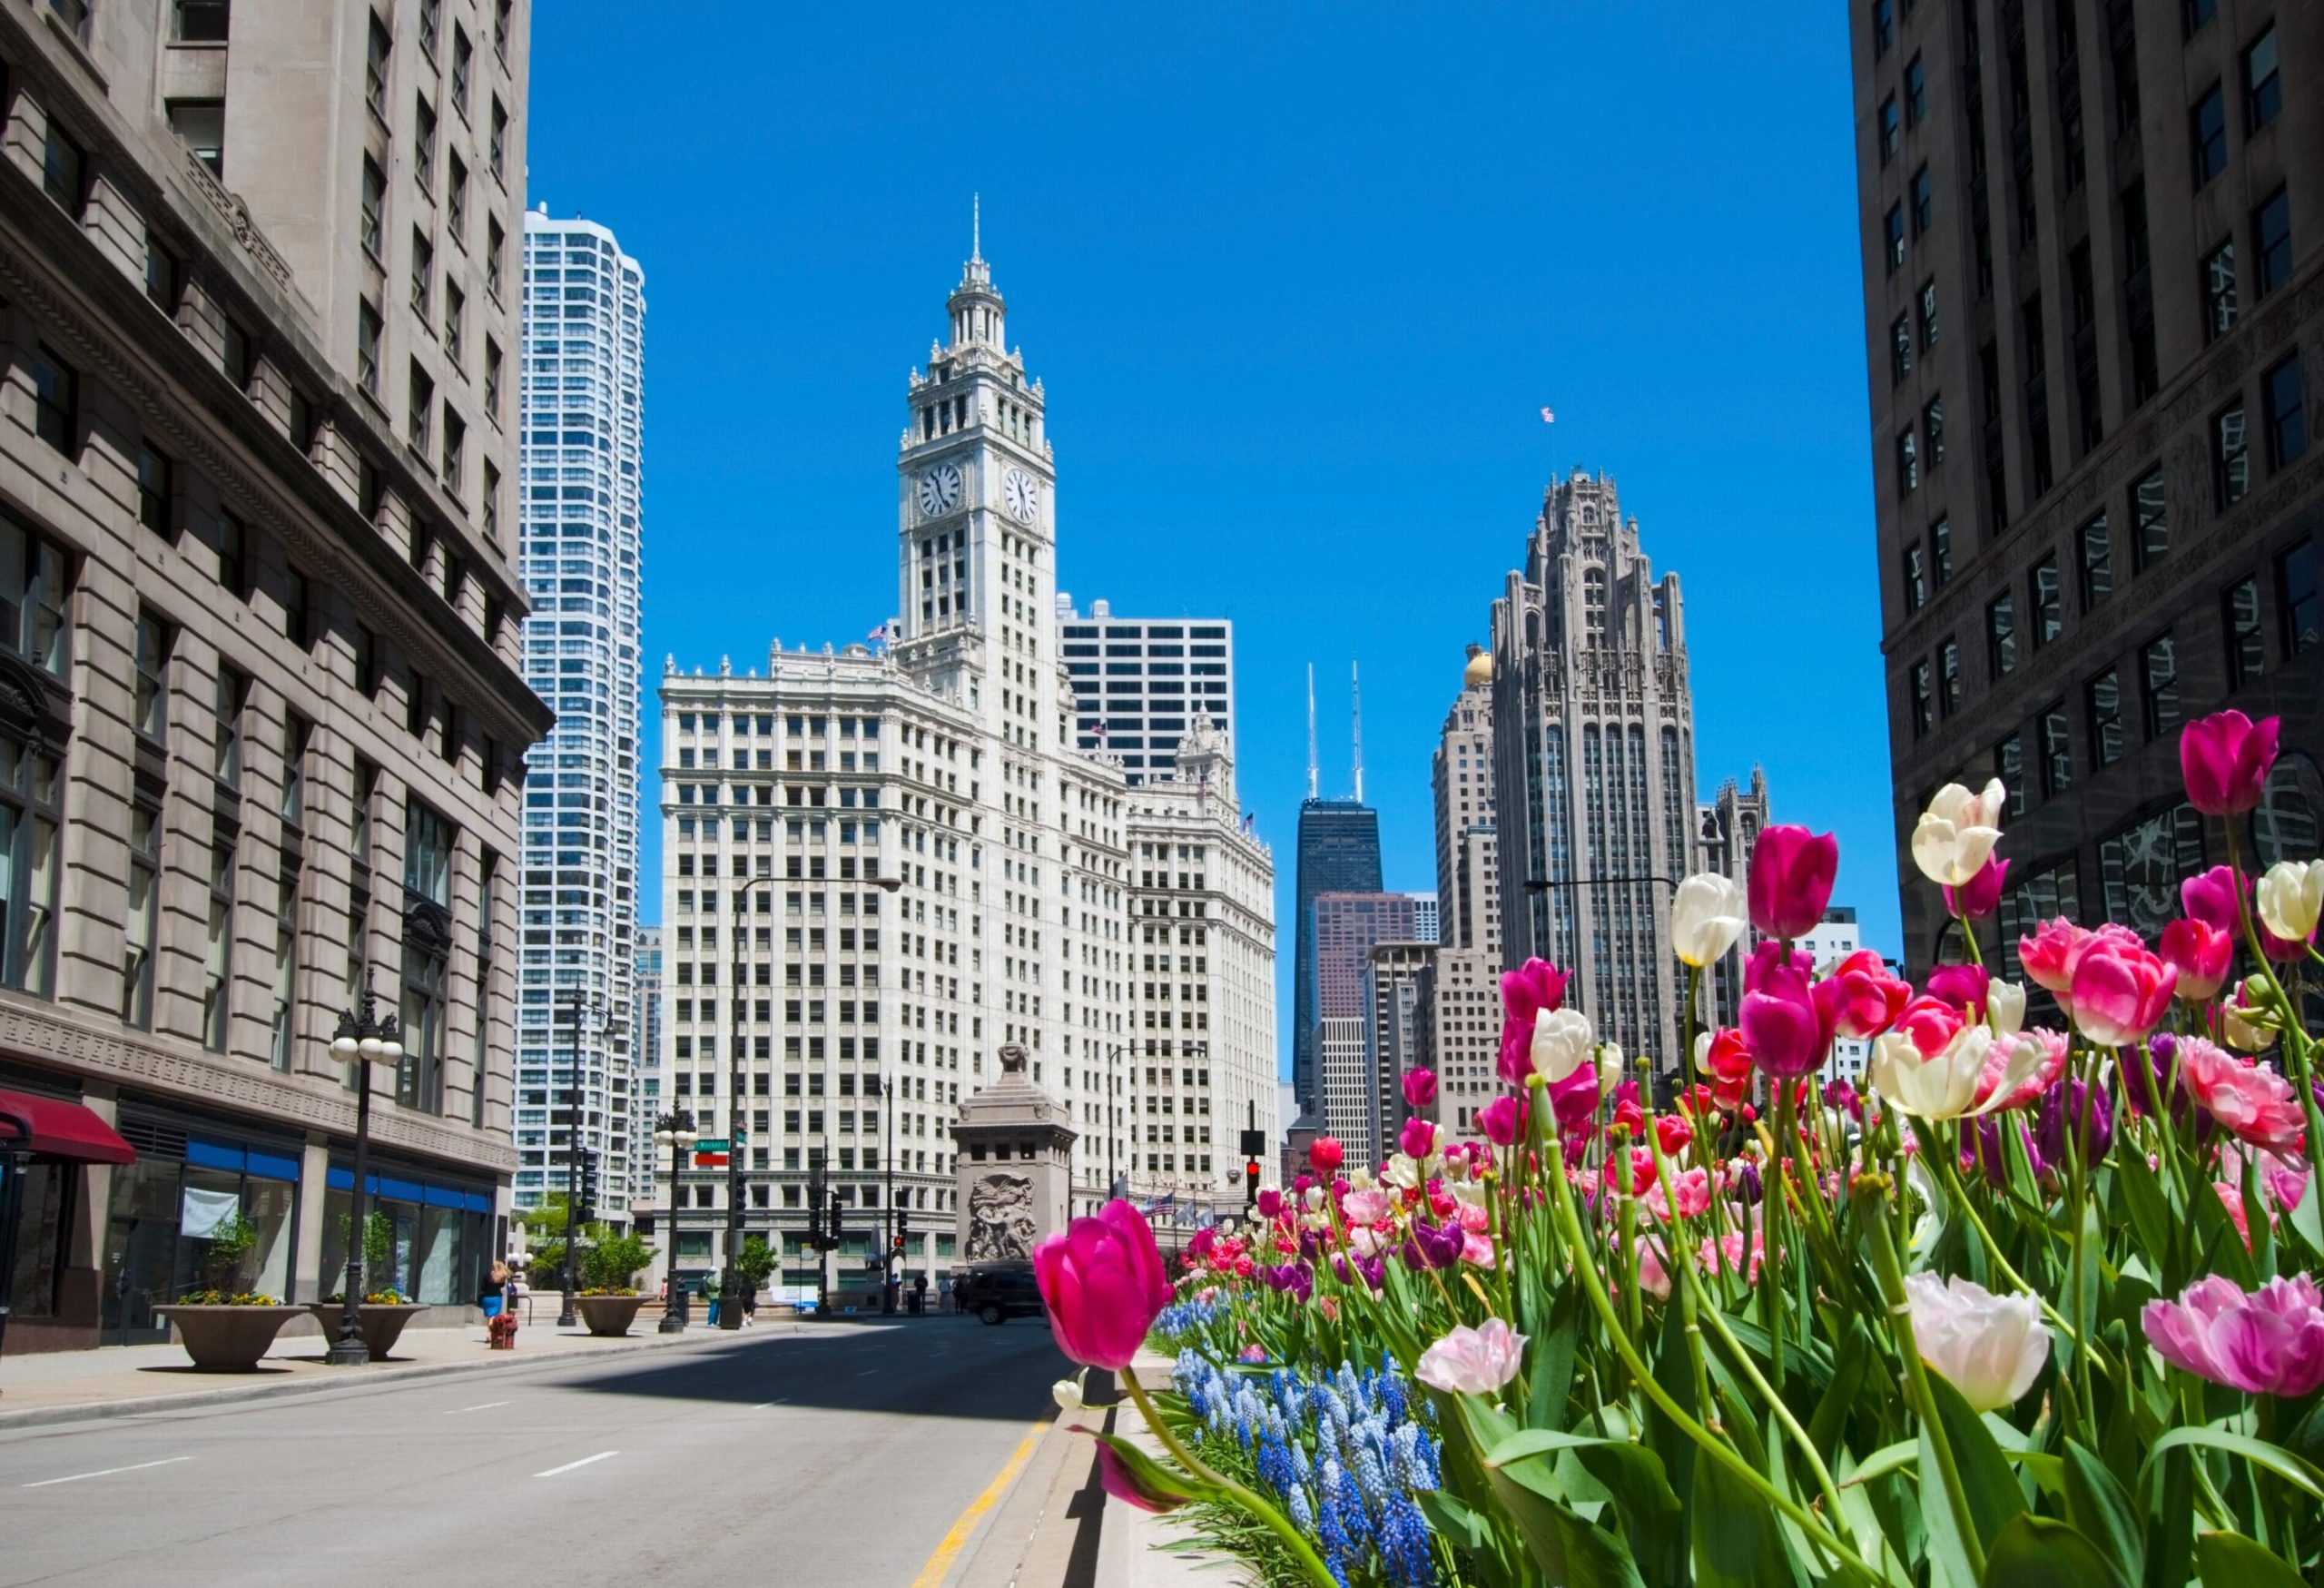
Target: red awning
[[53, 1127]]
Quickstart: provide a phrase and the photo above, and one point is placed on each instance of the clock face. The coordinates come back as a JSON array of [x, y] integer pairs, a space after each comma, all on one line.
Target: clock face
[[1022, 495], [940, 489]]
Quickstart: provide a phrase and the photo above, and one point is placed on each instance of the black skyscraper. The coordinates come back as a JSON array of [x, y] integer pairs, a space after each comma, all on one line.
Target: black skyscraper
[[1339, 852]]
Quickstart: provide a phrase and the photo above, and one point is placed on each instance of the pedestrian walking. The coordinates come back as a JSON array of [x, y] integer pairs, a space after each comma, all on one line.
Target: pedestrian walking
[[919, 1294], [499, 1302], [750, 1305]]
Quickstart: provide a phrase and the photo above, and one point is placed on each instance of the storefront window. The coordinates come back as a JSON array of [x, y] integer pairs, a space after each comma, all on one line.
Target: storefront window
[[36, 1198], [439, 1244], [168, 1213]]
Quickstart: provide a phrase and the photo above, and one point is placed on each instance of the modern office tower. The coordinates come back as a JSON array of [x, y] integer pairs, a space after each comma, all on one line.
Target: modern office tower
[[1460, 1015], [1348, 926], [1728, 829], [644, 1042], [1339, 852], [1594, 781], [883, 865], [583, 406], [261, 633], [2091, 238], [1829, 941], [1394, 1042], [1139, 683], [1200, 1063]]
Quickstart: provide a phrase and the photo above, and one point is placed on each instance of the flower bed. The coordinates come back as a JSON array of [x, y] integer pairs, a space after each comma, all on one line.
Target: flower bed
[[2034, 1306]]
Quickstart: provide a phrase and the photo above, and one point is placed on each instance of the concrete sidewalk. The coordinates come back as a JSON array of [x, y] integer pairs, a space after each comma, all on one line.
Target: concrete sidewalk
[[118, 1381]]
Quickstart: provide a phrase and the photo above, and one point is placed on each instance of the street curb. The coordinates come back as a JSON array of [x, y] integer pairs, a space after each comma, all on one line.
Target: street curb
[[225, 1394]]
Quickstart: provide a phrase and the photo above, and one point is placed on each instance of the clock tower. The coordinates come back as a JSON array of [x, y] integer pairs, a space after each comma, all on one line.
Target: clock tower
[[976, 531]]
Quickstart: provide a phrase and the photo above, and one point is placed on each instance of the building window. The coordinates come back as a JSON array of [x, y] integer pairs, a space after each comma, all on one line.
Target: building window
[[2009, 765], [2150, 511], [2230, 457], [2207, 134], [2270, 243], [2047, 605], [431, 24], [1924, 196], [2303, 609], [151, 704], [423, 275], [143, 915], [2159, 667], [1900, 350], [1940, 549], [456, 440], [226, 750], [297, 734], [2104, 694], [1915, 93], [284, 1015], [63, 169], [500, 25], [2057, 751], [488, 884], [1883, 27], [1948, 676], [1928, 315], [1909, 463], [2001, 637], [233, 556], [456, 199], [498, 148], [2247, 654], [218, 947], [56, 399], [375, 209], [164, 277], [1893, 235], [1921, 692], [423, 409], [2263, 89], [428, 886], [31, 793], [2096, 541], [496, 256], [1932, 433], [2194, 14], [490, 510], [492, 379], [456, 313], [463, 55], [2219, 291], [156, 491], [366, 348], [1892, 137], [199, 22], [375, 68], [202, 123], [299, 608], [423, 146], [2284, 401]]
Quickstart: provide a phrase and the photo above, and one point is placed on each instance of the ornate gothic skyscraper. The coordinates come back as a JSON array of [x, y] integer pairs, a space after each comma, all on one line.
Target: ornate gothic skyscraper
[[1594, 750]]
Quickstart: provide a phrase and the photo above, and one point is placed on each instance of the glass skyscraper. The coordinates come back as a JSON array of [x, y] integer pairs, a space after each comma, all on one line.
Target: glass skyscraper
[[583, 391], [1339, 852]]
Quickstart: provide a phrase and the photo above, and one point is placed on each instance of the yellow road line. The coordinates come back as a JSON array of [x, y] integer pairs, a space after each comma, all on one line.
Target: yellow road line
[[939, 1564]]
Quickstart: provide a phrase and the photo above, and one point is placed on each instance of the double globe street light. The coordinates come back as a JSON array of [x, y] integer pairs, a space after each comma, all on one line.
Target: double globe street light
[[676, 1131], [363, 1039]]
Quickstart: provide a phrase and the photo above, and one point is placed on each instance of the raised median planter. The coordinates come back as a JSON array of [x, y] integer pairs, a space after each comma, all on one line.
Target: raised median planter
[[226, 1338], [609, 1315], [382, 1323]]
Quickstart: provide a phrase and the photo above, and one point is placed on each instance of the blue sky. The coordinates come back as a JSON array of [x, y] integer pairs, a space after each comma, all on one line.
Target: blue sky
[[1299, 280]]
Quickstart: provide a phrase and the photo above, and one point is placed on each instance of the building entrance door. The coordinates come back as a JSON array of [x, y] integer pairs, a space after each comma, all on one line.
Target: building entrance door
[[140, 1255]]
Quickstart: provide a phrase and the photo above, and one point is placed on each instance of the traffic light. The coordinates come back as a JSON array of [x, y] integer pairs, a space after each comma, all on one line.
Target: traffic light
[[1250, 1182], [833, 1233]]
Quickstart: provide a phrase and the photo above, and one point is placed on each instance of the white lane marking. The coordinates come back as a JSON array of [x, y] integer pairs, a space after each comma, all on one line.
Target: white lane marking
[[763, 1405], [569, 1465], [108, 1472], [485, 1407], [867, 1372]]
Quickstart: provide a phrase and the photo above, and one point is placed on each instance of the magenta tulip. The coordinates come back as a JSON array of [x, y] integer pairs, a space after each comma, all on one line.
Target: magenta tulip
[[2047, 953], [1417, 1139], [1104, 1285], [1503, 1120], [2225, 760], [2269, 1342], [2254, 1103], [1870, 996], [1792, 872], [1325, 1154], [2202, 955], [2215, 898], [1980, 896], [2120, 991], [1420, 1087], [1962, 986], [1125, 1483], [1787, 1022], [1525, 993]]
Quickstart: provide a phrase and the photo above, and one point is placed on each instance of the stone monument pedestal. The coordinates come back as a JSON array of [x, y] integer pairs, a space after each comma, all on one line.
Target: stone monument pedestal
[[1013, 1155]]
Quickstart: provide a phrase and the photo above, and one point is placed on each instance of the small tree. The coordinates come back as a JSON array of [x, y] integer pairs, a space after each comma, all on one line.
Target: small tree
[[758, 1259], [613, 1264], [231, 1241]]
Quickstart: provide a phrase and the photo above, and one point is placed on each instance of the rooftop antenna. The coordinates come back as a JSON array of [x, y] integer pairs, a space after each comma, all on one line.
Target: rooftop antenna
[[1310, 731], [976, 225], [1356, 698]]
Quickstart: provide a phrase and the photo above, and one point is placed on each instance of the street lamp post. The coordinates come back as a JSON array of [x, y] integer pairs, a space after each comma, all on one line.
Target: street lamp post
[[1114, 1051], [676, 1131], [566, 1317], [888, 1235], [364, 1038]]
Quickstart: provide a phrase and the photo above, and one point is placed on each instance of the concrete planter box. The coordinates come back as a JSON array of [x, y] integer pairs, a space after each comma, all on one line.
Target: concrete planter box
[[228, 1339], [383, 1325], [609, 1315]]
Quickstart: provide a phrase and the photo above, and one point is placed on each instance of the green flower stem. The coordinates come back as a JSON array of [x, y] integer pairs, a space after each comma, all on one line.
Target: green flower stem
[[1875, 1201], [1717, 1449], [1267, 1515], [2293, 1035]]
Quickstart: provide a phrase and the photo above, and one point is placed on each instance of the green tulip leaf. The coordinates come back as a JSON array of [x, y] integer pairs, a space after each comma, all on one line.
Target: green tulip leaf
[[2150, 1208], [1988, 1489], [2101, 1508], [2231, 1558], [1737, 1542], [2035, 1552], [1567, 1547], [2276, 1459]]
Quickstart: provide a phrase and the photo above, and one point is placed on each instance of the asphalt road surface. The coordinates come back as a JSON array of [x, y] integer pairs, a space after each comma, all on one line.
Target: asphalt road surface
[[837, 1456]]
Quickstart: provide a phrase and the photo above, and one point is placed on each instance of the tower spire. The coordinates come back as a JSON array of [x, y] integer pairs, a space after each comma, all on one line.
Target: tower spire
[[976, 225], [1355, 701], [1312, 790]]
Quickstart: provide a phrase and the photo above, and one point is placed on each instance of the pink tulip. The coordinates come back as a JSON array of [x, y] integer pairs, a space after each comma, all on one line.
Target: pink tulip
[[1503, 1120], [1473, 1361], [1104, 1285], [1121, 1480], [1980, 896], [2215, 898], [2251, 1103], [1792, 872], [1931, 1023], [2043, 1076], [1527, 992], [1787, 1022], [1417, 1139], [2202, 955], [2048, 954], [1324, 1155], [2120, 992], [1962, 986], [2225, 760], [2269, 1342], [1420, 1087], [1362, 1207], [1869, 997]]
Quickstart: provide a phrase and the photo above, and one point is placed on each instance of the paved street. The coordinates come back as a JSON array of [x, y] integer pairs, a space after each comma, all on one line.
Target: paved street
[[842, 1456]]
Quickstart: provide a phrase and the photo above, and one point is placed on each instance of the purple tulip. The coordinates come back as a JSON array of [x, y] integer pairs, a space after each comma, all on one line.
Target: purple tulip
[[1293, 1279], [2074, 1112], [1346, 1268], [1433, 1245]]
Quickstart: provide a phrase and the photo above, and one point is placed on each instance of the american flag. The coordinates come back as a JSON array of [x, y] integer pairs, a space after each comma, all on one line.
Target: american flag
[[878, 634], [1548, 417]]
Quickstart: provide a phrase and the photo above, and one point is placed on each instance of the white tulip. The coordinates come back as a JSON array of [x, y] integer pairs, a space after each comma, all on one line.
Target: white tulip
[[1945, 1086], [1955, 835], [2005, 1007], [1989, 1347], [1707, 915], [1561, 1042], [2291, 897], [1067, 1393]]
